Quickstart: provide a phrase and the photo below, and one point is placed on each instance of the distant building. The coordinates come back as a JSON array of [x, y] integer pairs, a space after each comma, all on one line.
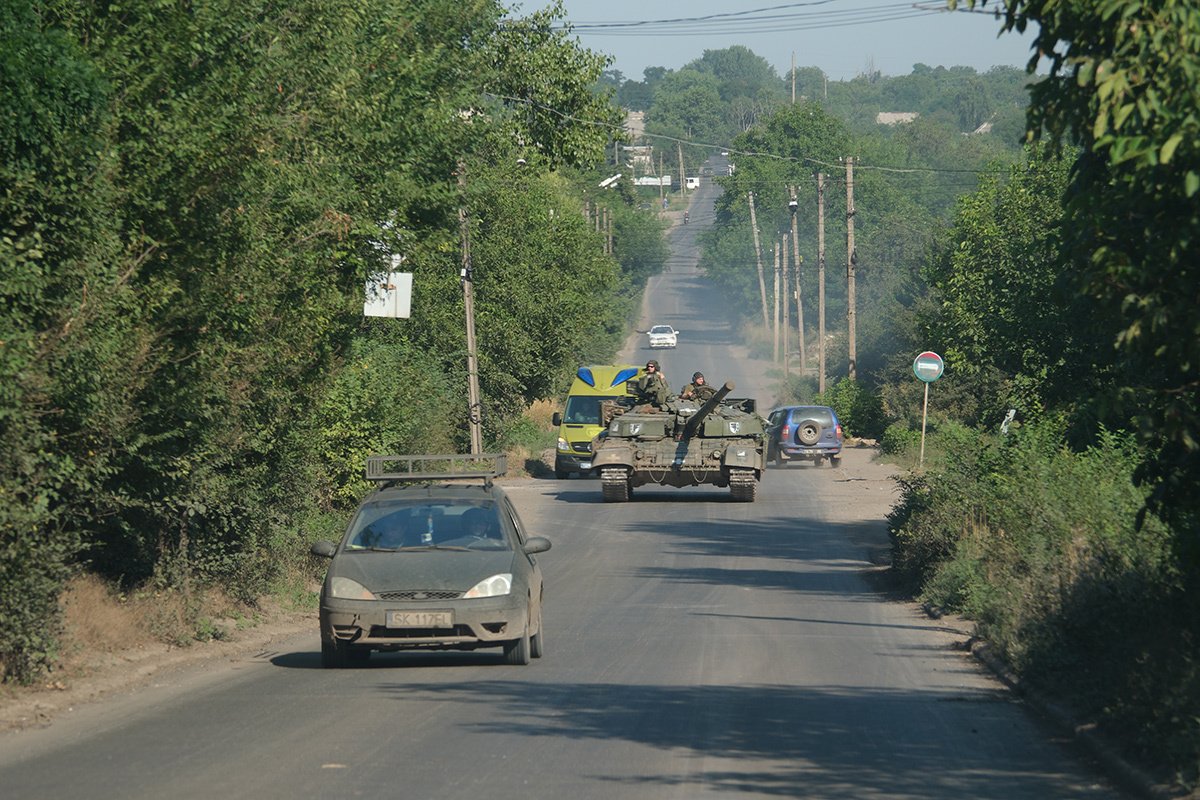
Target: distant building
[[640, 157], [895, 117]]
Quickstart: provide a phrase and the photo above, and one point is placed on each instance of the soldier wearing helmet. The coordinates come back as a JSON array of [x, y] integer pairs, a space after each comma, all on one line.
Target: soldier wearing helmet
[[698, 389], [652, 385]]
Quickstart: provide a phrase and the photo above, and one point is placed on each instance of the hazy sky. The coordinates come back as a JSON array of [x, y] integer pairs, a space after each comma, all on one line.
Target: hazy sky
[[842, 37]]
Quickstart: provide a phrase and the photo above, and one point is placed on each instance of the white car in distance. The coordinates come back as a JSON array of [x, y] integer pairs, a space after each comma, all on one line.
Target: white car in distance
[[663, 336]]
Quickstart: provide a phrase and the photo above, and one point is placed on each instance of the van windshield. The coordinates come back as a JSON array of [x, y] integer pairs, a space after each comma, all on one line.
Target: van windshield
[[584, 410]]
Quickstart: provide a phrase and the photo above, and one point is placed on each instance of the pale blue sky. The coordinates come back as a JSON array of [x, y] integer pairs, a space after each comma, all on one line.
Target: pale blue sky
[[842, 37]]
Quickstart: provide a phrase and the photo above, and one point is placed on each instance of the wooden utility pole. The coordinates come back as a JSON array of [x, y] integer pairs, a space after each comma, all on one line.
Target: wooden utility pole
[[794, 205], [793, 77], [787, 299], [660, 177], [775, 327], [474, 407], [608, 228], [820, 281], [762, 285], [682, 174], [851, 261]]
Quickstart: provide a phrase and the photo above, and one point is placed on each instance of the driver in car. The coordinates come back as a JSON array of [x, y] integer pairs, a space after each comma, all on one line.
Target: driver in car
[[479, 524]]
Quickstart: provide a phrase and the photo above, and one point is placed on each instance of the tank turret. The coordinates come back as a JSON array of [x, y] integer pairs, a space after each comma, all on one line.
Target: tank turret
[[693, 423]]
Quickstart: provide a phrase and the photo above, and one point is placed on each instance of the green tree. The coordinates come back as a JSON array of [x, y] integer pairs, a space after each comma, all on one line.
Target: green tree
[[1122, 83], [1003, 307], [194, 196]]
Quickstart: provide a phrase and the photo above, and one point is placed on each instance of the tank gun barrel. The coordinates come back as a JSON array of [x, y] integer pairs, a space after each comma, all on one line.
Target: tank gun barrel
[[693, 423]]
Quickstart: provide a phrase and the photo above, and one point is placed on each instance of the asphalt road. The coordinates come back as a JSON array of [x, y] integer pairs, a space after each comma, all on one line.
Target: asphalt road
[[695, 647]]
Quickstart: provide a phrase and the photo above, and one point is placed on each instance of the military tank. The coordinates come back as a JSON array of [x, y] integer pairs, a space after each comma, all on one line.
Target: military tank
[[681, 443]]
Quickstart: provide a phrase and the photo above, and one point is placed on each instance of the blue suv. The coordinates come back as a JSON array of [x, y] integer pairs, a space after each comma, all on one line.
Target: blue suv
[[797, 433]]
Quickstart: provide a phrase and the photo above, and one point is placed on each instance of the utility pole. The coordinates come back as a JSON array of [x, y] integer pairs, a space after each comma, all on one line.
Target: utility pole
[[682, 174], [851, 261], [820, 281], [793, 77], [775, 328], [787, 300], [660, 177], [794, 205], [608, 227], [762, 285], [475, 408]]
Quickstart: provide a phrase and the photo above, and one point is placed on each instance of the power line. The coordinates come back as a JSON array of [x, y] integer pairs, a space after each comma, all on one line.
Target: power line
[[617, 129], [761, 20]]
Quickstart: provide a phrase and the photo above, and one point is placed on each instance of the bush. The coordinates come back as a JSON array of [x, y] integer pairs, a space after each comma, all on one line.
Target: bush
[[859, 409], [899, 439], [1043, 547]]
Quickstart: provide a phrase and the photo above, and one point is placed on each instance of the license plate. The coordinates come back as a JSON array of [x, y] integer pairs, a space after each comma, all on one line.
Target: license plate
[[420, 619], [585, 465]]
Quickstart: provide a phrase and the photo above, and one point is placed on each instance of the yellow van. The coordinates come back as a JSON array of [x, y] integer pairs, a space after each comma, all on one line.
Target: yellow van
[[579, 421]]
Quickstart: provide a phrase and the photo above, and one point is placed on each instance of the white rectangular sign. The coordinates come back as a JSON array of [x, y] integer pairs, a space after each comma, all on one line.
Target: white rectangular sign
[[389, 295]]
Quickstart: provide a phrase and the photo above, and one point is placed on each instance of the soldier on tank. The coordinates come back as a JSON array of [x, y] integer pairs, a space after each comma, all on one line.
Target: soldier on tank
[[652, 385], [698, 389]]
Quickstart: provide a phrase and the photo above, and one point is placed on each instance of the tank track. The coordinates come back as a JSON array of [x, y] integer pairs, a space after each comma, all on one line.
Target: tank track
[[614, 485], [743, 486]]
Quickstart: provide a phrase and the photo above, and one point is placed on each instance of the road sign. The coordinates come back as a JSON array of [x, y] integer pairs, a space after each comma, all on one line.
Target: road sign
[[928, 366]]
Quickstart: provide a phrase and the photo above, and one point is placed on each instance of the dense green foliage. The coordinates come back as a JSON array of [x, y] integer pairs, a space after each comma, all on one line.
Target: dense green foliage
[[1069, 295], [194, 197], [1125, 85]]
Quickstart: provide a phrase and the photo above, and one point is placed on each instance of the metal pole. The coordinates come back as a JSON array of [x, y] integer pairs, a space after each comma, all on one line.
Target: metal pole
[[924, 414]]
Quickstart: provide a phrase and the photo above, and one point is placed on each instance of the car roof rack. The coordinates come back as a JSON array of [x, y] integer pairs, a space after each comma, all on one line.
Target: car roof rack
[[414, 469]]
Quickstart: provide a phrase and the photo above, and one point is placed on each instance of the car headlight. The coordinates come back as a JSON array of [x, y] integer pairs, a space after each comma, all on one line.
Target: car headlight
[[562, 444], [495, 586], [346, 589]]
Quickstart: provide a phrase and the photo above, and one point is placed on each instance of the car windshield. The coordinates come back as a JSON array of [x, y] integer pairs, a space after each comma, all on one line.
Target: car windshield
[[392, 525], [584, 410], [662, 329]]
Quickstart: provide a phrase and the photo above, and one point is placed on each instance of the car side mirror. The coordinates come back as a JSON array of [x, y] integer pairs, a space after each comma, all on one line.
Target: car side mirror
[[323, 549], [536, 544], [556, 419]]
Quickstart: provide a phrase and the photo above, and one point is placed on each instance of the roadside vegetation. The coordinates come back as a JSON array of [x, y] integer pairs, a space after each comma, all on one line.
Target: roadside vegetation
[[195, 199]]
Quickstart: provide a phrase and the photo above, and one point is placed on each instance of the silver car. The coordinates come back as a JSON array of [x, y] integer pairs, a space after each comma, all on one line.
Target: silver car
[[435, 558]]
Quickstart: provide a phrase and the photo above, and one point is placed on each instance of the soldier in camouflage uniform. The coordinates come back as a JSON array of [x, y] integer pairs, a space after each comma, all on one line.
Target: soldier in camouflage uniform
[[698, 389], [652, 386]]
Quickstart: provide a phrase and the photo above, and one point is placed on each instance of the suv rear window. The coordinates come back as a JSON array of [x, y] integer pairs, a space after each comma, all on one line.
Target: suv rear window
[[822, 414]]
